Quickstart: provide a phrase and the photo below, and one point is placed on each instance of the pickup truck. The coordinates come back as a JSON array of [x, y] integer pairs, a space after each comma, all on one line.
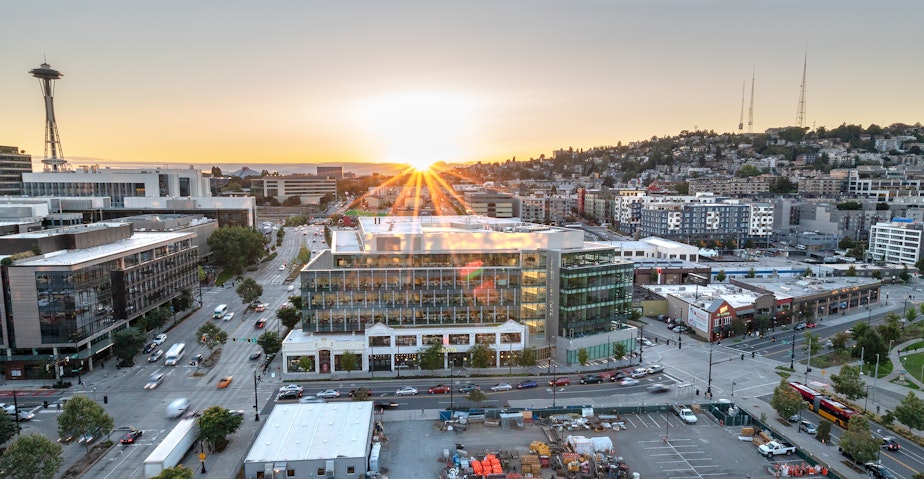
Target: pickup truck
[[685, 414], [775, 448]]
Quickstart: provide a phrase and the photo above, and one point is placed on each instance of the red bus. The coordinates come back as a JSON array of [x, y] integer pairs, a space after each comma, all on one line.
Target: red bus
[[824, 406]]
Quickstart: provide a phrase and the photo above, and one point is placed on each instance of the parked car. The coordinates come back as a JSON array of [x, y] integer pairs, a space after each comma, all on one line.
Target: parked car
[[878, 471], [591, 379], [628, 382], [469, 388], [663, 317], [329, 394], [288, 396], [679, 329], [256, 355], [808, 427], [131, 436], [527, 384], [619, 375], [155, 356], [406, 391], [160, 339], [655, 369], [889, 444], [224, 382], [799, 326], [639, 373], [501, 387], [795, 418], [438, 389], [385, 404], [559, 382], [296, 387]]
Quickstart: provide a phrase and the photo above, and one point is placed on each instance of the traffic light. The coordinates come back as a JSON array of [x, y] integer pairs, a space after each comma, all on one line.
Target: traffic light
[[233, 340], [659, 271]]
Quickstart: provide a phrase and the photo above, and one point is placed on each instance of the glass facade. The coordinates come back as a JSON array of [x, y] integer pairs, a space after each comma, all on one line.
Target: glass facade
[[74, 304], [595, 291]]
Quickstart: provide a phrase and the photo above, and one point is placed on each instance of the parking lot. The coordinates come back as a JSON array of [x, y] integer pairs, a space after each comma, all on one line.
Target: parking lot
[[654, 445]]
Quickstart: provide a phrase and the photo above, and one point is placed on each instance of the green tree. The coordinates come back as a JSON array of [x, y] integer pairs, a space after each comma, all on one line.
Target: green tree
[[858, 441], [786, 401], [876, 274], [476, 396], [178, 472], [210, 335], [839, 341], [235, 247], [270, 342], [432, 357], [720, 276], [126, 343], [851, 271], [739, 326], [31, 456], [583, 356], [848, 383], [297, 302], [904, 276], [184, 301], [812, 344], [83, 416], [289, 317], [910, 315], [249, 290], [155, 319], [528, 357], [348, 361], [619, 351], [481, 356], [890, 329], [823, 433], [7, 428], [215, 424], [306, 363], [910, 411]]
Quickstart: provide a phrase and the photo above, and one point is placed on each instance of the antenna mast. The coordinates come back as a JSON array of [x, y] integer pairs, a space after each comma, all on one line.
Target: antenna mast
[[751, 108], [800, 111], [741, 119]]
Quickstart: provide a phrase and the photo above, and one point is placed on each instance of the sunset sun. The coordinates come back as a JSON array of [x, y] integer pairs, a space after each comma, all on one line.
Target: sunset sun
[[419, 129]]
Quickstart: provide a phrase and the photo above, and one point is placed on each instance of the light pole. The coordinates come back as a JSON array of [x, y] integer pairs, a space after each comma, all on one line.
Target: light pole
[[255, 403], [450, 383], [709, 380], [554, 380], [202, 455], [733, 387], [792, 357]]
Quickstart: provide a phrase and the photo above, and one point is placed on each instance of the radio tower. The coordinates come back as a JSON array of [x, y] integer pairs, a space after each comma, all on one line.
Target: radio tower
[[800, 111], [741, 120], [47, 75], [751, 108]]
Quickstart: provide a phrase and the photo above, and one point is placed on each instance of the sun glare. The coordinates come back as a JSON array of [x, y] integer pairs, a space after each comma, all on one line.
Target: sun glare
[[419, 129]]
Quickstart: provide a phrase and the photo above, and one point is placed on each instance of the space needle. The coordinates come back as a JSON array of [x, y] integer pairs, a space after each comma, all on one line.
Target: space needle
[[54, 155]]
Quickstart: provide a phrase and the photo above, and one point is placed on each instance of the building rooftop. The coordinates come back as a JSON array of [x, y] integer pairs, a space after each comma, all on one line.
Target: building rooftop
[[703, 296], [305, 432], [72, 257]]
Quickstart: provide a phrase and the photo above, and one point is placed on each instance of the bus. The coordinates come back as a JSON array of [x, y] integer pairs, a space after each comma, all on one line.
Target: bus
[[220, 311], [824, 406], [174, 354]]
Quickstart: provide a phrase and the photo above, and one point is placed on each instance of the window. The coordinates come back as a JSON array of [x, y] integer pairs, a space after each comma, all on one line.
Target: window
[[351, 470], [290, 472], [320, 472]]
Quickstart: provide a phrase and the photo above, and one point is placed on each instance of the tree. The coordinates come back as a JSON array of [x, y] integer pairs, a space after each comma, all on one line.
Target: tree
[[868, 342], [910, 315], [83, 416], [306, 363], [786, 400], [848, 382], [288, 316], [812, 344], [823, 433], [476, 395], [481, 356], [270, 342], [858, 441], [178, 472], [891, 329], [583, 356], [249, 290], [910, 411], [528, 357], [31, 456], [432, 357], [619, 351], [348, 361], [851, 271], [155, 319], [839, 341], [184, 301], [720, 276], [210, 336], [215, 424], [126, 343], [7, 428], [739, 326], [235, 247], [296, 301]]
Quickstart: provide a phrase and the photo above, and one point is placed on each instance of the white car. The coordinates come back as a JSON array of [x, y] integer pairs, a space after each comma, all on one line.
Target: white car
[[282, 268], [8, 408], [177, 407], [501, 387], [406, 391], [291, 287], [645, 342], [291, 387], [655, 368], [329, 393], [228, 316], [628, 382], [160, 339]]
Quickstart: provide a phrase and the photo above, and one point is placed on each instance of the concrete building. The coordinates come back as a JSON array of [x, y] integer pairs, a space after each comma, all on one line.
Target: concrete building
[[881, 184], [335, 172], [310, 441], [12, 166], [118, 184], [696, 222], [308, 189], [69, 289], [491, 203], [898, 241], [458, 274]]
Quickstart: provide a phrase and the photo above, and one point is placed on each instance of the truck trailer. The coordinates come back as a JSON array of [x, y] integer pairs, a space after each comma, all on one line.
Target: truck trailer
[[171, 450]]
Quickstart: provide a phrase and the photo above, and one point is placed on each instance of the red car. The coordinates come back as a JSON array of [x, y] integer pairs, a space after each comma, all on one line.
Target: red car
[[438, 389], [811, 325], [560, 382], [131, 436]]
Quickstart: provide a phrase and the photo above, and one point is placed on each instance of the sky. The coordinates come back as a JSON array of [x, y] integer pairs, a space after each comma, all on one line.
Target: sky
[[302, 81]]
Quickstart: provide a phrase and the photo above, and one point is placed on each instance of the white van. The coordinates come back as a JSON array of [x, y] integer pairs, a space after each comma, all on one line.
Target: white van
[[174, 354], [220, 311]]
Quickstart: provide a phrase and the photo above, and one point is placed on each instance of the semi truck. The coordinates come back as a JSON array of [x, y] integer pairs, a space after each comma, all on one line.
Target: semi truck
[[171, 450]]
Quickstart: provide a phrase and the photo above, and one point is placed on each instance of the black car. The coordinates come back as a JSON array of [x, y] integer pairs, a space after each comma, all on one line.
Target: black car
[[131, 436], [149, 347], [619, 376], [195, 360], [256, 355], [889, 444], [469, 388], [385, 404], [591, 379], [288, 395], [878, 471]]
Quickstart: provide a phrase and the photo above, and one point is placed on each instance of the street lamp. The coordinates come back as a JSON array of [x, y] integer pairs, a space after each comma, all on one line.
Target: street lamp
[[255, 403], [202, 455], [450, 383], [554, 380], [792, 357], [709, 380]]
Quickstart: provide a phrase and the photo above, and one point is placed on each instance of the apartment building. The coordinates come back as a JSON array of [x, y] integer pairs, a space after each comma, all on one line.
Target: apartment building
[[881, 184], [898, 241], [491, 203], [12, 166], [695, 222], [308, 188]]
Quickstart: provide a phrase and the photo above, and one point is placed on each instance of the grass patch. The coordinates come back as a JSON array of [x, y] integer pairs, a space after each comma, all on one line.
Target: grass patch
[[223, 277], [915, 346], [885, 368], [913, 364]]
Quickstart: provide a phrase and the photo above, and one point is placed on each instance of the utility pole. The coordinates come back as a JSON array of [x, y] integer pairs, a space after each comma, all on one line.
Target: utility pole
[[751, 107], [800, 110]]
